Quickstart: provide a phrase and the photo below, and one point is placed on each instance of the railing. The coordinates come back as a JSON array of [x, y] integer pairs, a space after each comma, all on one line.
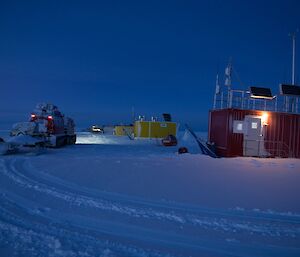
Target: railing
[[267, 148], [241, 100], [277, 148]]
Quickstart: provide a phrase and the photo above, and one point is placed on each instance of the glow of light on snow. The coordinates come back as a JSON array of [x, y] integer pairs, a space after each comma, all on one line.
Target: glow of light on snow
[[88, 138]]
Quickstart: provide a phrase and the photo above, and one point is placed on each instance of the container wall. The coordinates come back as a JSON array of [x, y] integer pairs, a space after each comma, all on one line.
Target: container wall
[[154, 129], [218, 131], [123, 130], [141, 129], [281, 132], [283, 135]]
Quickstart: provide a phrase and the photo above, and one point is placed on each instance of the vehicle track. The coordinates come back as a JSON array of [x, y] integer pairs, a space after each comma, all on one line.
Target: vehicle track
[[165, 228]]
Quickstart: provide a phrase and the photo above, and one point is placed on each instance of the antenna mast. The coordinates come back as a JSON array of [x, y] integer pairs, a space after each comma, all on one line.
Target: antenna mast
[[217, 92], [228, 72], [294, 55], [132, 114]]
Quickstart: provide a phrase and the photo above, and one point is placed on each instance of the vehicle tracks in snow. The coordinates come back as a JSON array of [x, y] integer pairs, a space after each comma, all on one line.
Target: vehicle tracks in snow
[[163, 226], [33, 235]]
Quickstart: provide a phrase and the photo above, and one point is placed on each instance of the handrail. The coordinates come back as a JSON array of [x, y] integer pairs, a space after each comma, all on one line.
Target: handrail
[[278, 148], [241, 100]]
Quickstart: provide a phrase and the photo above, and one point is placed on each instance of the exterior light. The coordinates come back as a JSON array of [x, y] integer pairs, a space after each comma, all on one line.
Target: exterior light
[[33, 117], [264, 118], [50, 117]]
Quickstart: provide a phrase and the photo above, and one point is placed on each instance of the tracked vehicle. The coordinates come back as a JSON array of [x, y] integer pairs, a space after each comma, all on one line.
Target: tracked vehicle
[[47, 127]]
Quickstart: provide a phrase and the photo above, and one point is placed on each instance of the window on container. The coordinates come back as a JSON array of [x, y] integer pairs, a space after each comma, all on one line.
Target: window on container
[[239, 126], [254, 125]]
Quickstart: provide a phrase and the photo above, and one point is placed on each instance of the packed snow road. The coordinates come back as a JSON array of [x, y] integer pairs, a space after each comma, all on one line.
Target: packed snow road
[[135, 198]]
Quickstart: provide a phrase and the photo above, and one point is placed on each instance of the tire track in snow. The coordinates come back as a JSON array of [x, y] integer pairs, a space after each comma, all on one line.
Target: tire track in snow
[[84, 201], [13, 170], [77, 234], [38, 239], [131, 200], [269, 228]]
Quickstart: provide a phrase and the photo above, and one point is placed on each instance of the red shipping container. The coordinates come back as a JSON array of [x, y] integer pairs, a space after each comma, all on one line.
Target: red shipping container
[[262, 133]]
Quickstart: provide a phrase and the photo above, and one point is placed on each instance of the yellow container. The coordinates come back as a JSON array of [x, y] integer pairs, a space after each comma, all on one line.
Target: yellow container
[[123, 130], [154, 129]]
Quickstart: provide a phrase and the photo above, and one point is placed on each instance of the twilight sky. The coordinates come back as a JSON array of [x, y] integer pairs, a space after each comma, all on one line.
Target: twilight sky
[[98, 59]]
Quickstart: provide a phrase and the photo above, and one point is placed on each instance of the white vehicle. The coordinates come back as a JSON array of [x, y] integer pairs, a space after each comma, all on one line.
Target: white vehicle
[[96, 129], [47, 127]]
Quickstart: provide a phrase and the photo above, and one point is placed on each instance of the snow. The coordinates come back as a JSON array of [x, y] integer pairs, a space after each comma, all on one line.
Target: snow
[[22, 127], [111, 196], [23, 139]]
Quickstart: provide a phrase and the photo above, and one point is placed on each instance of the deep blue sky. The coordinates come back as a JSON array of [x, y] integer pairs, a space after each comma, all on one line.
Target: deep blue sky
[[97, 59]]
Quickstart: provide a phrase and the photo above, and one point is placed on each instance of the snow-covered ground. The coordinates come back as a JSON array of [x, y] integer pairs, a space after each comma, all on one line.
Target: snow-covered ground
[[111, 196]]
